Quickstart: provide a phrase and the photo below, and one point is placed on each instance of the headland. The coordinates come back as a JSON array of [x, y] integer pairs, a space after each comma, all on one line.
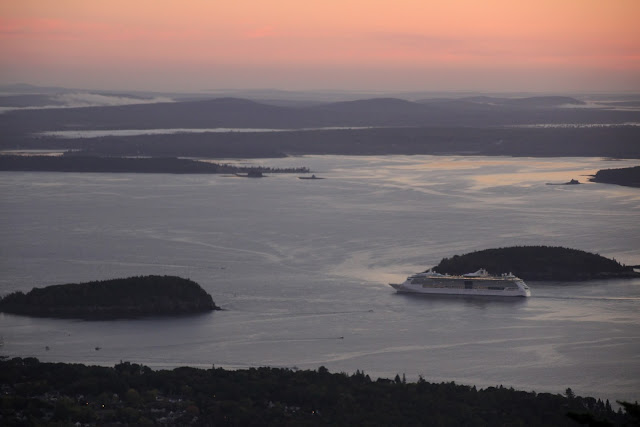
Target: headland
[[629, 177]]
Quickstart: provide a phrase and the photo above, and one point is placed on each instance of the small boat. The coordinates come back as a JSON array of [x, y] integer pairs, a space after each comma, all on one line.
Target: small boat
[[476, 283], [251, 174]]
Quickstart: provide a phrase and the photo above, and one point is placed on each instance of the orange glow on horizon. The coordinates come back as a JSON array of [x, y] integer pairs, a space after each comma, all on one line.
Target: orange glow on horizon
[[412, 35]]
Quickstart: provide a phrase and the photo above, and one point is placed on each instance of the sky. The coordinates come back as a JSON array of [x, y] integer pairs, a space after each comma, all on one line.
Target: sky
[[403, 45]]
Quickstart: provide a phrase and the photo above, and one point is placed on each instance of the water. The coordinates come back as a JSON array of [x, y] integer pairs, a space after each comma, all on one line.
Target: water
[[579, 125], [84, 134], [302, 268]]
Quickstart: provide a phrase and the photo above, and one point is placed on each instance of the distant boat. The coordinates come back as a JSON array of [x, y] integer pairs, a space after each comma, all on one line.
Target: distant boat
[[310, 177], [251, 174], [478, 283]]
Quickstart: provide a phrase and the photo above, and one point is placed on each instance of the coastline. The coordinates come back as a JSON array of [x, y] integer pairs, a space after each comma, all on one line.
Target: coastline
[[628, 177], [172, 165]]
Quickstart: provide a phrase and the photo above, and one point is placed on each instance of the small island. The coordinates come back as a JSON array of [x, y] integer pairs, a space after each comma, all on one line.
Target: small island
[[629, 177], [110, 299], [538, 263], [572, 182]]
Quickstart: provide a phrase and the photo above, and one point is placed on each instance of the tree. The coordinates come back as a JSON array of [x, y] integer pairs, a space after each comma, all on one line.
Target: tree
[[132, 396], [633, 410]]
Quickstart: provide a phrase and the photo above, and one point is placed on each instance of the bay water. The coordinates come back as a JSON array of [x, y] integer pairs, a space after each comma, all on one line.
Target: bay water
[[302, 267]]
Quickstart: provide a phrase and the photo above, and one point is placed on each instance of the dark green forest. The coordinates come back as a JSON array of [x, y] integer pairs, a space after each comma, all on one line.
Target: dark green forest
[[129, 297], [35, 393], [537, 263]]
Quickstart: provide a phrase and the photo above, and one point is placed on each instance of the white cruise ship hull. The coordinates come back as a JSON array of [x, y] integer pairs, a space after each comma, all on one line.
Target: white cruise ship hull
[[476, 292], [438, 284]]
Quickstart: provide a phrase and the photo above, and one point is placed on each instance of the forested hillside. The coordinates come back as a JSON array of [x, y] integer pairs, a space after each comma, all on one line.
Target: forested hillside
[[35, 392]]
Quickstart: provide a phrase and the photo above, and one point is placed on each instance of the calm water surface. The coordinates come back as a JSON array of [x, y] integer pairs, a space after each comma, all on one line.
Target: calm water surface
[[302, 268]]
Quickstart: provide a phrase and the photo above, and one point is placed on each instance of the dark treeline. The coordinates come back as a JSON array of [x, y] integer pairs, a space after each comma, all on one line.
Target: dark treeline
[[629, 177], [35, 393], [614, 142], [84, 163], [129, 297], [537, 263]]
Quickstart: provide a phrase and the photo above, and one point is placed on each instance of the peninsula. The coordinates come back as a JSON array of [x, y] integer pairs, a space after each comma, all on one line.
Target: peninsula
[[629, 177], [538, 263], [173, 165], [109, 299]]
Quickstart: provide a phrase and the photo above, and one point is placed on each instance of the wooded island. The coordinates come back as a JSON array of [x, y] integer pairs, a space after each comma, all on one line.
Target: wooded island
[[109, 299], [538, 263]]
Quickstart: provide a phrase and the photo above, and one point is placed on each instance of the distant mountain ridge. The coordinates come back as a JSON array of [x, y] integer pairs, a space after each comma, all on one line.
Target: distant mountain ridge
[[237, 112], [535, 101], [391, 105], [388, 125]]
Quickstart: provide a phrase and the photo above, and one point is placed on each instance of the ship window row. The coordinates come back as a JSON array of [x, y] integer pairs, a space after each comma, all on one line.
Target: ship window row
[[458, 286], [421, 281]]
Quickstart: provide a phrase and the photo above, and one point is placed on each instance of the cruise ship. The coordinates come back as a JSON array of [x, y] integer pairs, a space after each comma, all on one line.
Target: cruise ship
[[478, 283]]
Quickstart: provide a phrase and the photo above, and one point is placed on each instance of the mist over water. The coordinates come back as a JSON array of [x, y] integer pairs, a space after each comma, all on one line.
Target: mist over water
[[75, 100], [302, 268]]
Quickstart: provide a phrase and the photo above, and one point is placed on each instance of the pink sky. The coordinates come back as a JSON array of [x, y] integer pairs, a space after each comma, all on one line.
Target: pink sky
[[489, 45]]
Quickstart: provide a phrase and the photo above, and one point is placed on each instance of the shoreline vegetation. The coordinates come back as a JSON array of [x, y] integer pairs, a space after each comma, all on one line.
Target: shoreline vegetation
[[173, 165], [112, 299], [37, 393], [618, 142], [629, 177], [538, 263]]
